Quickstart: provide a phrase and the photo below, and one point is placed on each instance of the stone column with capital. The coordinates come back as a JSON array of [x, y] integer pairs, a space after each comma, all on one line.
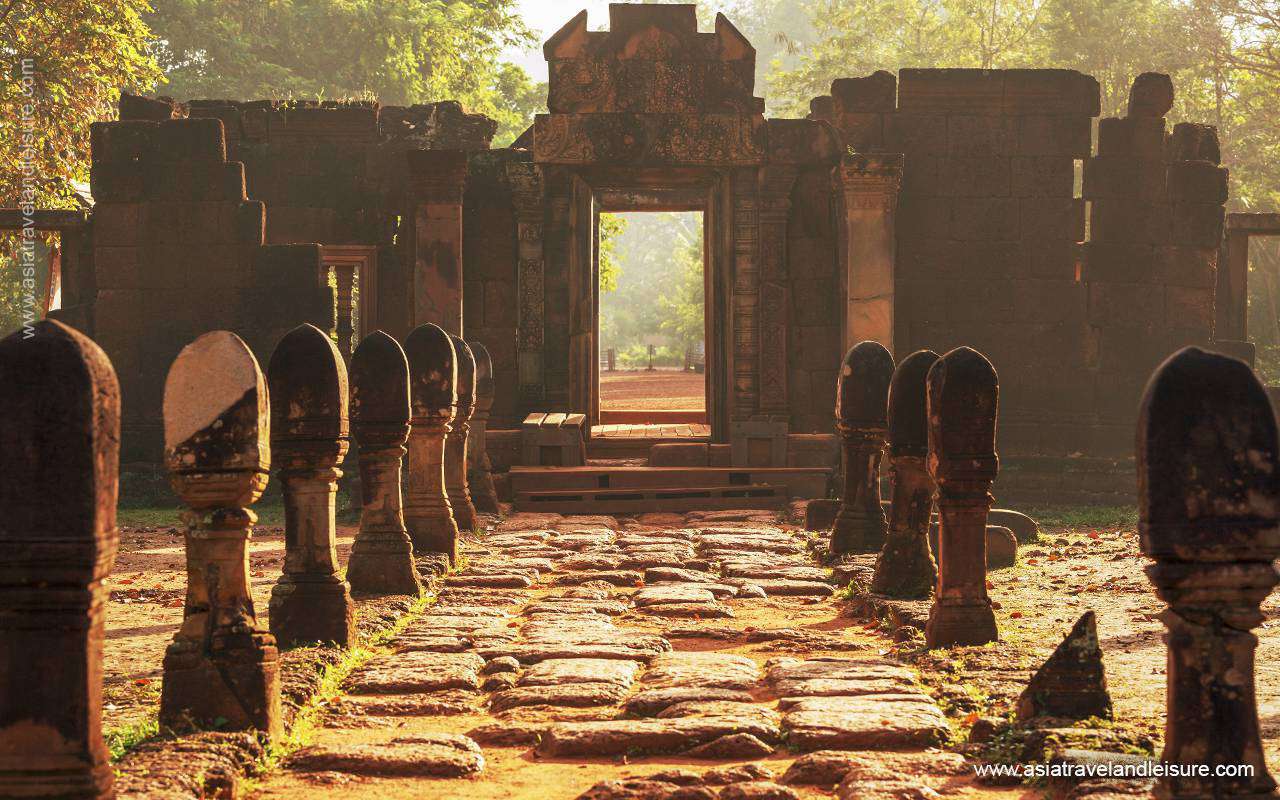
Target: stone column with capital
[[433, 401], [1209, 519], [963, 397], [868, 185], [436, 182], [529, 199], [59, 455], [309, 437], [222, 666]]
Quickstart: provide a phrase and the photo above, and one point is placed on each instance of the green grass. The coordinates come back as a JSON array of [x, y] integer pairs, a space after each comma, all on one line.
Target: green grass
[[1084, 516], [124, 738]]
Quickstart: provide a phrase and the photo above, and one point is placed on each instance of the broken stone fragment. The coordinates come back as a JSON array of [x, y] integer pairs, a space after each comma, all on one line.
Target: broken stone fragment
[[1072, 684]]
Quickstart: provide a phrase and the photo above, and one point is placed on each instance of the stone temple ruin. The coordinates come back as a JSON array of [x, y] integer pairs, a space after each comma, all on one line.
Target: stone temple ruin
[[934, 209], [936, 283]]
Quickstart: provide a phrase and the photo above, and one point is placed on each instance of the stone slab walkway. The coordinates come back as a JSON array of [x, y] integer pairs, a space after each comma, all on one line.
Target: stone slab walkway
[[669, 656]]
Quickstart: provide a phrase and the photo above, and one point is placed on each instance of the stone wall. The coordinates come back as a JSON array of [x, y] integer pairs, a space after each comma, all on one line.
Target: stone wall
[[999, 174]]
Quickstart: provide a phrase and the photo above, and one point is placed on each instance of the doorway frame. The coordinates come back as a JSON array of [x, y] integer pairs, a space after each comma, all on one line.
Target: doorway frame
[[594, 191]]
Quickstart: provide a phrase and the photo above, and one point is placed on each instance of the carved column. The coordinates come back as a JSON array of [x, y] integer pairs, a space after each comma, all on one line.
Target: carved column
[[433, 374], [308, 384], [963, 397], [1209, 511], [745, 228], [862, 395], [906, 567], [221, 665], [436, 181], [455, 446], [775, 210], [479, 470], [382, 556], [59, 450], [528, 196], [869, 186]]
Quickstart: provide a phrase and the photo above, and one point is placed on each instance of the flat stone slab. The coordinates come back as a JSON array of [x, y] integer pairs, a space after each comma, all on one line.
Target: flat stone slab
[[792, 692], [722, 708], [556, 671], [757, 790], [835, 668], [677, 575], [414, 673], [708, 610], [426, 704], [758, 569], [571, 605], [496, 581], [828, 768], [872, 722], [732, 747], [651, 702], [671, 593], [433, 644], [645, 736], [645, 789], [575, 695], [439, 755], [701, 670], [613, 577], [789, 588], [640, 648]]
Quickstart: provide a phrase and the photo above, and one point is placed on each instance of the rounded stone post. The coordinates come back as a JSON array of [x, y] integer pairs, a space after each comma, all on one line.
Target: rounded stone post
[[906, 567], [221, 666], [433, 374], [308, 383], [479, 470], [382, 555], [455, 446], [1209, 518], [59, 450], [963, 397], [862, 394]]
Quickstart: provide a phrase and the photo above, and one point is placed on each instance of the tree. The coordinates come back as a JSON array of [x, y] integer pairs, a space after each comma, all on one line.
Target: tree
[[397, 51]]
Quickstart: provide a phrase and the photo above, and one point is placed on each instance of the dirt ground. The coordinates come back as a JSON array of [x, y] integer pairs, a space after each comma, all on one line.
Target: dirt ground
[[660, 390]]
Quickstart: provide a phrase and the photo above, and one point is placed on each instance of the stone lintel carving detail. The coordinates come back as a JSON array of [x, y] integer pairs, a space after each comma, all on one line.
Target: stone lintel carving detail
[[650, 139]]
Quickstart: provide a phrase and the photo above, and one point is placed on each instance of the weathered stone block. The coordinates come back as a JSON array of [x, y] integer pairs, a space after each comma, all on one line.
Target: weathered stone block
[[186, 140], [1197, 182], [974, 177], [960, 90], [1048, 301], [118, 182], [1055, 135], [1124, 262], [1151, 95], [987, 219], [974, 135], [916, 133], [1042, 176], [1198, 224], [196, 180], [678, 454], [987, 261], [1124, 176], [1111, 303], [1119, 220], [860, 130], [927, 217], [1051, 218], [875, 92], [120, 225], [1131, 136], [1050, 91], [920, 176], [1191, 307], [1194, 142], [1058, 259], [127, 141], [1192, 267]]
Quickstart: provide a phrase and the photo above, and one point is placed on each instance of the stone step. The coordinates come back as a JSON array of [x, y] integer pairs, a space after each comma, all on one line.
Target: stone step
[[424, 756], [674, 497]]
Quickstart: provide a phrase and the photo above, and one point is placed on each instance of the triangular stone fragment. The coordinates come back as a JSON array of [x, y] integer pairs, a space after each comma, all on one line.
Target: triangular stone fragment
[[1072, 684]]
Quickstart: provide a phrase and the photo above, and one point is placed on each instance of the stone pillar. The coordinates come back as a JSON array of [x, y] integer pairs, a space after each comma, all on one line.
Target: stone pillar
[[382, 556], [221, 665], [308, 384], [862, 396], [869, 187], [963, 396], [433, 374], [455, 446], [436, 181], [59, 447], [528, 197], [1208, 500], [906, 567], [479, 469], [775, 209]]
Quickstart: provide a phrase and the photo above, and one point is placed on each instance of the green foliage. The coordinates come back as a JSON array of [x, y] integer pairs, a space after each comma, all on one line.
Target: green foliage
[[396, 51], [651, 290]]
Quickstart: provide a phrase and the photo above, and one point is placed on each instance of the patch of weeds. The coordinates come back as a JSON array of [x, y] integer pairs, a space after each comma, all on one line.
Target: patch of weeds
[[1085, 516], [122, 739]]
